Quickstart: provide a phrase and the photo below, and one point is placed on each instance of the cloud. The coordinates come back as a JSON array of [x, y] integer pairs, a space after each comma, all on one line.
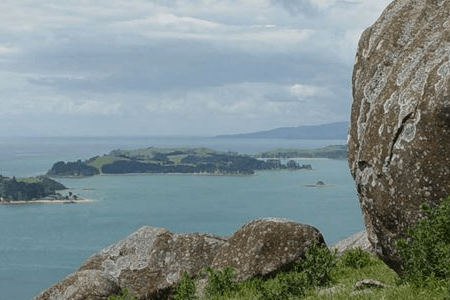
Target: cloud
[[177, 64], [8, 50], [304, 7], [58, 106], [247, 100]]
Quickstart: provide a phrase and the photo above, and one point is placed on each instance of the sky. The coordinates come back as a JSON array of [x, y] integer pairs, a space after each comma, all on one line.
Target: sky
[[176, 67]]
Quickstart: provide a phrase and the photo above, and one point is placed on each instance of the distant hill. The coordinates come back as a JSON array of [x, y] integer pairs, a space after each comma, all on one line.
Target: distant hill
[[332, 131]]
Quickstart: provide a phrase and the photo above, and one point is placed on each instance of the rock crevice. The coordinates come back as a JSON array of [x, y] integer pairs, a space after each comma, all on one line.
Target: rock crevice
[[400, 126]]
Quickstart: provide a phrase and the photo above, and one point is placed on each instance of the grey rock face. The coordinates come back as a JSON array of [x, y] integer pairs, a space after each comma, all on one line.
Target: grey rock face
[[266, 245], [147, 263], [151, 260], [84, 285], [358, 240], [400, 122]]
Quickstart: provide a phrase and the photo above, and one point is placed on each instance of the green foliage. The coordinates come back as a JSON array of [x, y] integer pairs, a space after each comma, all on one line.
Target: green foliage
[[220, 281], [123, 295], [317, 265], [100, 161], [356, 258], [284, 285], [186, 289], [30, 179], [426, 251], [292, 285]]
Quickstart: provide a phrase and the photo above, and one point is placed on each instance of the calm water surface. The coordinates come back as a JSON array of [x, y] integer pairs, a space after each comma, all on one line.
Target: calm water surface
[[42, 243]]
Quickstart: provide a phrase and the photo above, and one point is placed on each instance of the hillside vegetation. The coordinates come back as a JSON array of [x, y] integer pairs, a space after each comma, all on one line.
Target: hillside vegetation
[[333, 152], [177, 160]]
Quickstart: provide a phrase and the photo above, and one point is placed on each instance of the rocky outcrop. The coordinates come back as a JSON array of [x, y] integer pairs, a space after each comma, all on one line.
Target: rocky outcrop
[[151, 260], [264, 246], [92, 285], [358, 240], [400, 121]]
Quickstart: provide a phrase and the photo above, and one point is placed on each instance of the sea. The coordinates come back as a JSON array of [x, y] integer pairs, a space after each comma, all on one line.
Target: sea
[[42, 243]]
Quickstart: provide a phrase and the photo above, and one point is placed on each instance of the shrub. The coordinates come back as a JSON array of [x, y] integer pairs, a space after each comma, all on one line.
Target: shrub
[[355, 258], [317, 265], [123, 295], [219, 281], [425, 253], [186, 289], [284, 286]]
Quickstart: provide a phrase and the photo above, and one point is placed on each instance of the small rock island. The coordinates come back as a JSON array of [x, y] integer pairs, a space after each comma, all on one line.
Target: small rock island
[[179, 160]]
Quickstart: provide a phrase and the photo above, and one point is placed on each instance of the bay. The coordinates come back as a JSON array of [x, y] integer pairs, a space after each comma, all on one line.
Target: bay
[[42, 243]]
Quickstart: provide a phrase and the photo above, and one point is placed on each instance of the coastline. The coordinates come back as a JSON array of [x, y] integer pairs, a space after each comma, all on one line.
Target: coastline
[[6, 202]]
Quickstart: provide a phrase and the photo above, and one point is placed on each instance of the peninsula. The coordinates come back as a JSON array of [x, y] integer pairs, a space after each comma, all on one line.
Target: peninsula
[[174, 160], [332, 152], [33, 189]]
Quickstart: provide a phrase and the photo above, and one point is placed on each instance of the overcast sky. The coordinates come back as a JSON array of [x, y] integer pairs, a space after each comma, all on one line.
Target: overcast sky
[[176, 67]]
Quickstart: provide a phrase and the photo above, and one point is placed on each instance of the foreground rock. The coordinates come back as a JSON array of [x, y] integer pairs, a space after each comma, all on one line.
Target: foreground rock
[[151, 260], [84, 285], [400, 121], [264, 246]]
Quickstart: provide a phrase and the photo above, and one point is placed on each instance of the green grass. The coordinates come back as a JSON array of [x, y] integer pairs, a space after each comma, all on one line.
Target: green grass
[[30, 179], [100, 161], [176, 159], [343, 277]]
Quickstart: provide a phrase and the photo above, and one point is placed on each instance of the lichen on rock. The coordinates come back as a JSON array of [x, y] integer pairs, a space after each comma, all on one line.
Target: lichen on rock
[[400, 124], [151, 260], [263, 246]]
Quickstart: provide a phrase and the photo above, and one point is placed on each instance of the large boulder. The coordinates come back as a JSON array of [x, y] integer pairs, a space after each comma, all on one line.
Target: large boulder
[[147, 263], [264, 246], [400, 121], [84, 285], [151, 260]]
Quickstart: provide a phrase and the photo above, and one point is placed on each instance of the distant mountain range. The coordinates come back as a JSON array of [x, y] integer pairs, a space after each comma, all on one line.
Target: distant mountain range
[[332, 131]]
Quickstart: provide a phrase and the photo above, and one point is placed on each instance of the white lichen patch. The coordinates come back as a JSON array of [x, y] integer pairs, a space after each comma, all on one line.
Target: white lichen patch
[[444, 74], [380, 130], [137, 247], [373, 89], [388, 103]]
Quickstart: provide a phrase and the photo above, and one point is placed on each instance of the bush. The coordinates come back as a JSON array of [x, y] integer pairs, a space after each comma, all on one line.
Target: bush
[[123, 295], [219, 281], [355, 258], [186, 289], [284, 286], [317, 265], [425, 253]]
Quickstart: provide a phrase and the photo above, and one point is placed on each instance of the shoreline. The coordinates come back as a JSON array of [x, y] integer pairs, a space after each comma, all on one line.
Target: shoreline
[[45, 201]]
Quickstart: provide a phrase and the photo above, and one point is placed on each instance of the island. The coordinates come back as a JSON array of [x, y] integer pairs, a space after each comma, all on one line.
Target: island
[[173, 160], [332, 152], [33, 189]]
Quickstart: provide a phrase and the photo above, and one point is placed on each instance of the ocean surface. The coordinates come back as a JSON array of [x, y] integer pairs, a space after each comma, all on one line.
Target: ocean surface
[[42, 243]]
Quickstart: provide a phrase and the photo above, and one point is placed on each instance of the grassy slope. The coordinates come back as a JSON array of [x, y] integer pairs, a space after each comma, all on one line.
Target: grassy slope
[[30, 179], [343, 287], [100, 161], [146, 155]]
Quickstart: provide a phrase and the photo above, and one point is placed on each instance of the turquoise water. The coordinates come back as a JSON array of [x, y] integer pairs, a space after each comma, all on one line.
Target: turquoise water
[[42, 243]]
